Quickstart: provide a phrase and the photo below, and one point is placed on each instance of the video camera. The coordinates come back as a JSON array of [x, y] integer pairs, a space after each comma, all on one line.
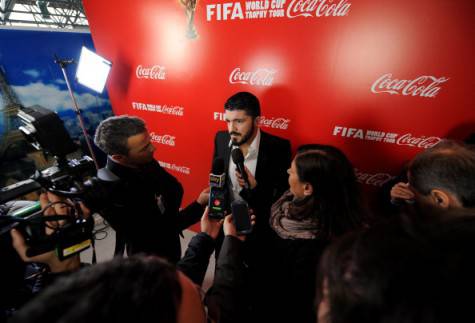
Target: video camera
[[75, 179]]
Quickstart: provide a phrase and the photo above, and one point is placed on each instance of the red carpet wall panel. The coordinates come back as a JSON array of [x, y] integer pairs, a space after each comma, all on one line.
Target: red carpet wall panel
[[381, 80]]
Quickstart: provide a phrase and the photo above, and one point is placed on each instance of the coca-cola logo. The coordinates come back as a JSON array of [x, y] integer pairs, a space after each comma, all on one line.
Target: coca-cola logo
[[419, 142], [378, 179], [318, 8], [387, 137], [276, 123], [272, 122], [174, 167], [424, 86], [260, 77], [163, 139], [155, 72], [174, 110]]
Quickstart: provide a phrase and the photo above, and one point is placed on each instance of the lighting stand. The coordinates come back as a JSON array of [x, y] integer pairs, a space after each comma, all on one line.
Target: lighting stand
[[63, 63]]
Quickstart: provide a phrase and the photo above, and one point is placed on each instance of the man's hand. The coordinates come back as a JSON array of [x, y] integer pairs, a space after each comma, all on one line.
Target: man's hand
[[230, 229], [210, 226], [57, 208], [401, 191], [203, 197], [250, 177], [21, 247], [49, 258], [61, 206]]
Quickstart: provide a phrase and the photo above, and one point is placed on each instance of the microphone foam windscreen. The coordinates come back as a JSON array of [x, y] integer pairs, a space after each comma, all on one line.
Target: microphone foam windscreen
[[237, 156]]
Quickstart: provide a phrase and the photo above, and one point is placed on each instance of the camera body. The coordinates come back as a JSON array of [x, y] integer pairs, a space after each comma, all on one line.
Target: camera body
[[76, 179], [72, 237], [70, 178]]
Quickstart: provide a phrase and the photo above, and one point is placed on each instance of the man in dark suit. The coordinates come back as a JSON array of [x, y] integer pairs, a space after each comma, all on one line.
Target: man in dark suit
[[144, 206], [266, 158]]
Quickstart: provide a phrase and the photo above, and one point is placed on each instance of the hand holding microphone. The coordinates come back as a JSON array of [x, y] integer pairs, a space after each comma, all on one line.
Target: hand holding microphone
[[217, 195], [203, 198], [244, 176]]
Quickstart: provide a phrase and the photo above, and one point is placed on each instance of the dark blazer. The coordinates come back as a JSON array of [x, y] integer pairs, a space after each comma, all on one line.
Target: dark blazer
[[227, 298], [133, 212], [287, 281], [196, 259], [273, 160]]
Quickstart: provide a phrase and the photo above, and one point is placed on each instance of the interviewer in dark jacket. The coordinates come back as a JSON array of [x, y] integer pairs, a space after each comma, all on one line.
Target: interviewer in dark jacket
[[143, 204]]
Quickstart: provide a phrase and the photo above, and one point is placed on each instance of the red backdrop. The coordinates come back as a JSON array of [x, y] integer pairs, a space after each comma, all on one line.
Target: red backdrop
[[379, 79]]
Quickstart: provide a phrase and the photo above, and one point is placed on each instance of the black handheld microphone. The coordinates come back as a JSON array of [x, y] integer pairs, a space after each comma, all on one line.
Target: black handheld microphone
[[238, 159], [217, 201], [217, 176]]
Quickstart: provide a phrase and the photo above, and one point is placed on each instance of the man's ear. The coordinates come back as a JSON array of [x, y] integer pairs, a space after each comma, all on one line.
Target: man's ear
[[257, 120], [441, 198], [307, 189]]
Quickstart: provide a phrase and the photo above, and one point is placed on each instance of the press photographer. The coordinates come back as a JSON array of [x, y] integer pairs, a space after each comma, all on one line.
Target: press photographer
[[56, 229], [48, 242], [57, 215]]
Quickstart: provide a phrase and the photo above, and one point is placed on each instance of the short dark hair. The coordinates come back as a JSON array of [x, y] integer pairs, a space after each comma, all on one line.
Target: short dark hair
[[335, 190], [112, 133], [134, 289], [401, 270], [244, 101], [450, 166]]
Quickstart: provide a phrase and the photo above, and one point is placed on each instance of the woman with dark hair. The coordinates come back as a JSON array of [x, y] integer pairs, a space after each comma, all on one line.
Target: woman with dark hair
[[322, 203], [336, 196]]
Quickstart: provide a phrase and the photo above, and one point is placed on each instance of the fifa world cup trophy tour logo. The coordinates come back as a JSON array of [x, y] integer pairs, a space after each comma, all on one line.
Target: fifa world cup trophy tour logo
[[190, 8]]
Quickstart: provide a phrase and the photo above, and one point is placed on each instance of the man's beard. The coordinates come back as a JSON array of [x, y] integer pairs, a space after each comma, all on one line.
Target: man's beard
[[245, 137]]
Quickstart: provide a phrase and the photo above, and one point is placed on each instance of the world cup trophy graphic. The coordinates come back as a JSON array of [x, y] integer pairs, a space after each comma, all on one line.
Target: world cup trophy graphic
[[190, 8]]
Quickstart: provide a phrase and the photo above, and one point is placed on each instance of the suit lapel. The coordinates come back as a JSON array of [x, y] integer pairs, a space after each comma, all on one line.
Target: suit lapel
[[262, 156], [227, 151]]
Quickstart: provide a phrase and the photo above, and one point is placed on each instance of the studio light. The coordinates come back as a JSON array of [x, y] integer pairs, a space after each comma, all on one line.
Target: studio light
[[92, 70]]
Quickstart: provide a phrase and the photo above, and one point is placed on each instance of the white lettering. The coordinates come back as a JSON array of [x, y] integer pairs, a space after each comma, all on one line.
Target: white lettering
[[275, 123], [165, 109], [260, 77], [272, 122], [155, 72], [419, 142], [317, 8], [423, 86], [210, 11], [224, 11], [337, 130], [176, 168], [163, 139]]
